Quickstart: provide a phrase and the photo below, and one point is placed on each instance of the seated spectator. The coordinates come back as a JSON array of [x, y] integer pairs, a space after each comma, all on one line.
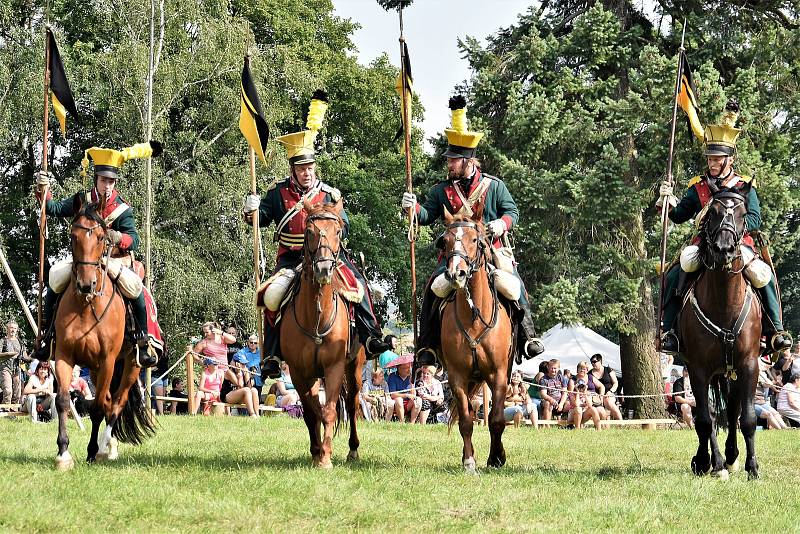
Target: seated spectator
[[252, 355], [762, 406], [534, 390], [429, 391], [594, 389], [517, 403], [79, 392], [177, 392], [403, 397], [476, 403], [388, 356], [553, 391], [374, 395], [684, 398], [214, 344], [286, 393], [234, 346], [12, 356], [789, 400], [210, 385], [237, 387], [608, 379], [789, 363], [38, 394], [579, 406]]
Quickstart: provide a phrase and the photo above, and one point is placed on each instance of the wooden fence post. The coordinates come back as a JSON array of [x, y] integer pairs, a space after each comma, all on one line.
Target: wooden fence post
[[190, 379]]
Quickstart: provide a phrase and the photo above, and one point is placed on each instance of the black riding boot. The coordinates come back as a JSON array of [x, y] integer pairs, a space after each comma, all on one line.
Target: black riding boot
[[271, 353], [49, 304], [428, 335], [145, 354], [528, 344]]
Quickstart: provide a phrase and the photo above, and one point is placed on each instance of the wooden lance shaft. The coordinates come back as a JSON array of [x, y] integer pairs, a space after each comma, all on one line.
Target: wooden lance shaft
[[256, 247], [43, 188]]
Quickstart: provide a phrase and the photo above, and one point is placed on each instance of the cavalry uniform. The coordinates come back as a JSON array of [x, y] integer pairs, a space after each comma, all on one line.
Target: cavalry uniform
[[460, 197], [720, 140], [283, 205], [118, 217]]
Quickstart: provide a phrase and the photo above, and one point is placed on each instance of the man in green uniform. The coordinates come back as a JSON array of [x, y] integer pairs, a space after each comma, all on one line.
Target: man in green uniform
[[122, 233], [465, 187], [720, 151]]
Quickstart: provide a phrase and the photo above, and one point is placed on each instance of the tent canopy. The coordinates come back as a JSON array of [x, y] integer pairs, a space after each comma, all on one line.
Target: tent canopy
[[572, 344]]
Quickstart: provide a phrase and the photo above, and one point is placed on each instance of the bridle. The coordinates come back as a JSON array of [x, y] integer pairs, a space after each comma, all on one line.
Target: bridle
[[100, 264], [473, 264], [321, 329], [728, 224]]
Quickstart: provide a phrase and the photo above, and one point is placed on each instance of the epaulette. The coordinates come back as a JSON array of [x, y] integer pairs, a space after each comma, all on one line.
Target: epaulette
[[491, 177], [747, 180], [335, 194], [276, 183], [695, 180]]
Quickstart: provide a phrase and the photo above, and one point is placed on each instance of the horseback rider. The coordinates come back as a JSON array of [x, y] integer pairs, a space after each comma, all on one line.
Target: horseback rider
[[465, 187], [283, 204], [121, 234], [720, 151]]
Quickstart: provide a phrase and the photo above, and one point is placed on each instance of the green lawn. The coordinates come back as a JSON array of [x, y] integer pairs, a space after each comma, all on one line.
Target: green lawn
[[218, 474]]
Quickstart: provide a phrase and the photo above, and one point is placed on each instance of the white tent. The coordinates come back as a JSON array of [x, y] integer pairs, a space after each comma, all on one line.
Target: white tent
[[572, 344]]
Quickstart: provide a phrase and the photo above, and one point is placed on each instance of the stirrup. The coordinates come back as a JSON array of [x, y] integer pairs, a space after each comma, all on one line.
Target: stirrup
[[426, 356], [375, 347], [144, 355], [532, 348], [670, 344], [783, 336]]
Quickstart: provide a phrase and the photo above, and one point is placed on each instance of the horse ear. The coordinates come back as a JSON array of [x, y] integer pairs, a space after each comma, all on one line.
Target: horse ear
[[77, 203], [448, 217]]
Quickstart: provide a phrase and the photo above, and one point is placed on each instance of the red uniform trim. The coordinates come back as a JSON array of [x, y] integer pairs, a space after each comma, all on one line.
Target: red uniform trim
[[296, 227]]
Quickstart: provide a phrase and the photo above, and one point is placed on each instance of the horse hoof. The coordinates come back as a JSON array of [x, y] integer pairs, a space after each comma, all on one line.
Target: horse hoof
[[722, 474], [699, 470], [64, 462], [469, 466], [752, 475], [352, 456], [101, 457], [732, 468], [325, 464]]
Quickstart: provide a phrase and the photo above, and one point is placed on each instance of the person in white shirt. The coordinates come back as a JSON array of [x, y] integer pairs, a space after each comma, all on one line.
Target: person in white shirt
[[39, 391]]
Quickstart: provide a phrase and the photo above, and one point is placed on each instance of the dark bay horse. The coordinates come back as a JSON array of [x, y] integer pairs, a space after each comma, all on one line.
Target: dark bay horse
[[316, 338], [476, 333], [720, 323], [90, 331]]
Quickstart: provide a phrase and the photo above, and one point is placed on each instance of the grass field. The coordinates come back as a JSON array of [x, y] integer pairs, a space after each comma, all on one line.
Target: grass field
[[221, 474]]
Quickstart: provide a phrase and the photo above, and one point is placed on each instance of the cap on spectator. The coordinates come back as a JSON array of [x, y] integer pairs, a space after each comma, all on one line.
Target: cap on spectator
[[209, 361], [240, 358], [253, 338], [580, 382]]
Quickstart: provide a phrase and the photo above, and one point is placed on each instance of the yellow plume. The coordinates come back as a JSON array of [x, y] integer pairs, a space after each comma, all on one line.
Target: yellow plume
[[316, 110]]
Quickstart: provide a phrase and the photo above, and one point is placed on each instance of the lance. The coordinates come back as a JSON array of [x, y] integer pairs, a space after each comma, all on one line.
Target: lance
[[405, 104], [665, 202], [256, 237], [42, 189]]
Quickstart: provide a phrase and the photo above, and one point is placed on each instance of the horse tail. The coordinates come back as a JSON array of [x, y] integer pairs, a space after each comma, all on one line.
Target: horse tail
[[341, 409], [720, 386], [471, 391], [135, 422]]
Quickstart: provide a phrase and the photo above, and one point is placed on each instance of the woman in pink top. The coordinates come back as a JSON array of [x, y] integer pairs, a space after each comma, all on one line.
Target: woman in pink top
[[210, 386], [214, 344]]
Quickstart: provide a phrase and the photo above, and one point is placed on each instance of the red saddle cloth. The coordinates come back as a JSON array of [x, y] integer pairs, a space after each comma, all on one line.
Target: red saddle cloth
[[153, 330]]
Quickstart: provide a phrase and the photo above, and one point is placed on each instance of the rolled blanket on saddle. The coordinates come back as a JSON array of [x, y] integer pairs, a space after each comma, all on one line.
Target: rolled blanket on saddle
[[756, 270], [506, 283], [129, 283]]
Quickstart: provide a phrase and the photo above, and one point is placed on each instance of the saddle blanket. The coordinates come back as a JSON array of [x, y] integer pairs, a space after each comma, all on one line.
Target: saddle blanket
[[153, 329]]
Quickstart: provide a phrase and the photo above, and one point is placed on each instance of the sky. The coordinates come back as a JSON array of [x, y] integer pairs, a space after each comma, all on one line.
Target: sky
[[432, 29]]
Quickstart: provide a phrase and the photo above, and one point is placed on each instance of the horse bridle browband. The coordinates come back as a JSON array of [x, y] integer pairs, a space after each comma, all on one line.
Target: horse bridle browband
[[473, 263], [324, 216]]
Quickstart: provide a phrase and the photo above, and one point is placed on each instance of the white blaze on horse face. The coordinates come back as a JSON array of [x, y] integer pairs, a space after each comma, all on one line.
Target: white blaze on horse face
[[458, 246]]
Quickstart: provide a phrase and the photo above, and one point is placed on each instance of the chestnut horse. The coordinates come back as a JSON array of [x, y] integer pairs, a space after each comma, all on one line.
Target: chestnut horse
[[720, 324], [316, 336], [476, 333], [90, 332]]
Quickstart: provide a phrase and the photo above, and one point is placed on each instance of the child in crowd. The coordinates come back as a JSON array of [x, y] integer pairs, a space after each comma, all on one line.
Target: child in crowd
[[178, 392], [374, 393], [210, 386]]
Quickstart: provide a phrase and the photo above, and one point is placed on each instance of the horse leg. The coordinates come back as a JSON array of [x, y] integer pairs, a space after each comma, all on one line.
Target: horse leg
[[459, 389], [497, 422], [312, 415], [734, 410], [64, 461], [333, 385], [352, 393], [101, 409], [747, 421], [701, 463], [96, 414], [108, 443]]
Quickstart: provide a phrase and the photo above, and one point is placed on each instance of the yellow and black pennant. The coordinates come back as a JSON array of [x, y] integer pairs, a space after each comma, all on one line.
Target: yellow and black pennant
[[251, 117], [405, 100], [687, 99], [63, 101]]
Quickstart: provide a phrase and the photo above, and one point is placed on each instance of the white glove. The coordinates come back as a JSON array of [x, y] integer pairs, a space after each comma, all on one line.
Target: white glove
[[665, 191], [43, 178], [114, 237], [251, 203], [497, 227], [409, 200]]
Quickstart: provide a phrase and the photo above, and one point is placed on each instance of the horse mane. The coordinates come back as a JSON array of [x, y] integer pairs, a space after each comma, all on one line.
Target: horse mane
[[321, 207]]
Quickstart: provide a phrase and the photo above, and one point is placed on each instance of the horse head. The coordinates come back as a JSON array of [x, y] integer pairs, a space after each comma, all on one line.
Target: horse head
[[724, 227], [464, 245], [322, 244], [88, 244]]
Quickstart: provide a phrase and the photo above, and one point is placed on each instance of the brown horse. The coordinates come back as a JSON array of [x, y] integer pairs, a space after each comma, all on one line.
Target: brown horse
[[316, 337], [476, 333], [721, 326], [90, 331]]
